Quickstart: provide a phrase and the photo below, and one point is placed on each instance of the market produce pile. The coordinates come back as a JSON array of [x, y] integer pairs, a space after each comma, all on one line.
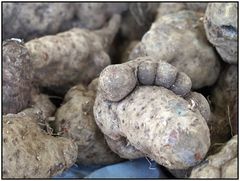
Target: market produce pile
[[102, 83]]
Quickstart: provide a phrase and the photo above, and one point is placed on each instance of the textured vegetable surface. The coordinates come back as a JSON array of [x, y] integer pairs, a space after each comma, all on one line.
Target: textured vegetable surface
[[97, 83], [75, 56], [223, 164], [179, 39], [146, 108], [17, 76], [29, 151], [75, 120], [31, 20], [220, 22]]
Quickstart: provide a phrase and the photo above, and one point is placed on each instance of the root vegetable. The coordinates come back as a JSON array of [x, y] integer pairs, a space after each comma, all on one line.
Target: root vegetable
[[220, 23], [30, 20], [75, 120], [29, 151], [149, 119], [179, 39], [220, 165], [17, 76], [75, 56]]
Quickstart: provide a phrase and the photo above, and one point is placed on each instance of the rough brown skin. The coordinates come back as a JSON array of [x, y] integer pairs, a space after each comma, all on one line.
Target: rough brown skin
[[75, 120], [179, 39], [220, 165], [75, 56], [30, 20], [29, 151], [44, 157], [17, 77], [220, 23], [224, 98], [176, 137]]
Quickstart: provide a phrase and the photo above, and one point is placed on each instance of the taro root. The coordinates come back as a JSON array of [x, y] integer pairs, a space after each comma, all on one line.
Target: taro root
[[17, 76], [220, 23], [30, 20], [223, 164], [179, 39], [75, 120], [75, 56], [145, 108], [29, 151]]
